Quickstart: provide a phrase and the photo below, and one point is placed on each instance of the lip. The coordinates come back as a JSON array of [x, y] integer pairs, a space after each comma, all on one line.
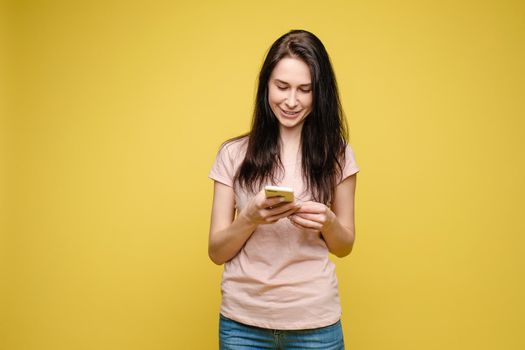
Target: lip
[[283, 113]]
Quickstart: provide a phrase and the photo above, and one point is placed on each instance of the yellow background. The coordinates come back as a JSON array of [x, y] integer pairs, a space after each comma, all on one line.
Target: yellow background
[[112, 113]]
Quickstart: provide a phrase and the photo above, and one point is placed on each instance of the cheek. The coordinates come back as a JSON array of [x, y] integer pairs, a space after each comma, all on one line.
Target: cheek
[[273, 96], [308, 102]]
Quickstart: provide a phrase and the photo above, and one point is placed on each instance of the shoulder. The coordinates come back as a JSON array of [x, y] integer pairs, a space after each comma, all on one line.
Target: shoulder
[[348, 150], [234, 148], [348, 163], [230, 156]]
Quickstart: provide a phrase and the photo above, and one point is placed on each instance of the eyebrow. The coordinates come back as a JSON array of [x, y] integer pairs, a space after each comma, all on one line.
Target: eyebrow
[[283, 82]]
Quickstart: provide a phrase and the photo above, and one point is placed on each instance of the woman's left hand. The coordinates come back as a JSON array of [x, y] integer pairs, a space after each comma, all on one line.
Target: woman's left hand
[[312, 216]]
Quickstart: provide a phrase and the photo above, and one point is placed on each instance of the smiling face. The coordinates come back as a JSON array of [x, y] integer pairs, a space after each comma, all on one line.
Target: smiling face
[[290, 92]]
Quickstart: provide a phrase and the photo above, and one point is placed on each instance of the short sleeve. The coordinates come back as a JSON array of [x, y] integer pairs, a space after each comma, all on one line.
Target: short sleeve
[[222, 169], [350, 166]]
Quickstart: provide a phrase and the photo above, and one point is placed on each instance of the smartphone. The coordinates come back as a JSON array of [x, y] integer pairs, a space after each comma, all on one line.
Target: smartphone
[[274, 191]]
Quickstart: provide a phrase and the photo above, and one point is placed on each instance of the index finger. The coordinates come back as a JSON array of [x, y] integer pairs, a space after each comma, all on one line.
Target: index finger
[[313, 208], [273, 201]]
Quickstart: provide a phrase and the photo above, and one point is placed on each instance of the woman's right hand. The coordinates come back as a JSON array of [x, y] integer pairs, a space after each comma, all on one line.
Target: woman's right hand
[[261, 210]]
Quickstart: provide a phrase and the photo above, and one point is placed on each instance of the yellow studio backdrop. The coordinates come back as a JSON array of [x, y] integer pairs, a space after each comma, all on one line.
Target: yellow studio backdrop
[[113, 112], [3, 163]]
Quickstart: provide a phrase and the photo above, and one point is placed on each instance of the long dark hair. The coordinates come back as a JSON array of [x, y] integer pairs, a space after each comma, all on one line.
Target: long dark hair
[[324, 132]]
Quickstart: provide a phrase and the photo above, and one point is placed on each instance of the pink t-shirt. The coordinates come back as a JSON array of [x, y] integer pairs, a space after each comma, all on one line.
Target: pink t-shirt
[[282, 277]]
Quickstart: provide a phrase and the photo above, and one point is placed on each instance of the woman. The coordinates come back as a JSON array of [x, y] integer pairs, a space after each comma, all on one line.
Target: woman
[[279, 289]]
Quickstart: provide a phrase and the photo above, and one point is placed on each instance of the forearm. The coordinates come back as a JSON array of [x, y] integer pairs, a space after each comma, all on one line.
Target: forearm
[[226, 243], [338, 238]]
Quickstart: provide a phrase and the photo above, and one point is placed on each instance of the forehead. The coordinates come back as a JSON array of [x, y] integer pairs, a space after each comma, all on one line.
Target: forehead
[[292, 70]]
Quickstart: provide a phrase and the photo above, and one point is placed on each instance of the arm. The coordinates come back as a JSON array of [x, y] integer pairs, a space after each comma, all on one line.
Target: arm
[[336, 223], [229, 234]]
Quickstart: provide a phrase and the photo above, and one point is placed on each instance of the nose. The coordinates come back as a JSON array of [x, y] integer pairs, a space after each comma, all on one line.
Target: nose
[[291, 100]]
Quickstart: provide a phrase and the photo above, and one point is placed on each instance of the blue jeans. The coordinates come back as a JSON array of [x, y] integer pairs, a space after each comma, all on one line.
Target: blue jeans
[[238, 336]]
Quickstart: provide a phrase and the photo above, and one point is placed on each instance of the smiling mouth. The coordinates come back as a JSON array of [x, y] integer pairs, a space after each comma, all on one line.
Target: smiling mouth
[[291, 114]]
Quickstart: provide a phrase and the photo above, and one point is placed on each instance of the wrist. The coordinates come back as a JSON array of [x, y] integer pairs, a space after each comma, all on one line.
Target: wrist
[[246, 220], [330, 219]]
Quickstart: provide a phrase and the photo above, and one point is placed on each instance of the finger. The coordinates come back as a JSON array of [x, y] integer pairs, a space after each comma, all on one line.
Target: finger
[[281, 215], [314, 208], [305, 229], [312, 217], [272, 202], [282, 207], [306, 223]]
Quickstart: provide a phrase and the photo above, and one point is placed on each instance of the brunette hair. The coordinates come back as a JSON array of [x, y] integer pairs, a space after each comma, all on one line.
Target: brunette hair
[[324, 132]]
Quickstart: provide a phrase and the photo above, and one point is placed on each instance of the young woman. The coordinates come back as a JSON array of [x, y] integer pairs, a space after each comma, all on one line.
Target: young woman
[[279, 289]]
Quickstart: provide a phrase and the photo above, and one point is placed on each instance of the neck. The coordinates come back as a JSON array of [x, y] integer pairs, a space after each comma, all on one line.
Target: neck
[[290, 144]]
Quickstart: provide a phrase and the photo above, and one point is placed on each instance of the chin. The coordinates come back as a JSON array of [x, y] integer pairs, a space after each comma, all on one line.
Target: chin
[[291, 124]]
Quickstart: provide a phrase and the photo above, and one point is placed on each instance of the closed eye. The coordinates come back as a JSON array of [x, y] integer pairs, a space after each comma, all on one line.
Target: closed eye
[[282, 88]]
